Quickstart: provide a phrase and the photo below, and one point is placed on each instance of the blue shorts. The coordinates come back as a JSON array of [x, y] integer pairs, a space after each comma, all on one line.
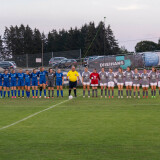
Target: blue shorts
[[58, 83], [6, 84], [27, 83], [13, 83], [0, 83], [21, 83], [42, 81], [34, 83]]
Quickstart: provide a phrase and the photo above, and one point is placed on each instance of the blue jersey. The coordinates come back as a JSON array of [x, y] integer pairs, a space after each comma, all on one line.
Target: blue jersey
[[6, 77], [13, 77], [59, 76], [27, 77], [1, 76], [34, 76], [42, 75], [20, 76]]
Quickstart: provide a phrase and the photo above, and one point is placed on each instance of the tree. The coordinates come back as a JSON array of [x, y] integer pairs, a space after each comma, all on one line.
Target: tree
[[145, 46], [2, 54]]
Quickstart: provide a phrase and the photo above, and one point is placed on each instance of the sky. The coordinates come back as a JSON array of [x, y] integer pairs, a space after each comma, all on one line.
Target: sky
[[130, 20]]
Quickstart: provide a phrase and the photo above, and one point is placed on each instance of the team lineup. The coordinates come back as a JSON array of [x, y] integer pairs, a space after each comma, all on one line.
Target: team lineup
[[24, 82]]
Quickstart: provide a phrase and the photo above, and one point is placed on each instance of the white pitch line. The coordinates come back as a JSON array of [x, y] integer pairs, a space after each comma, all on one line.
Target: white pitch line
[[32, 115]]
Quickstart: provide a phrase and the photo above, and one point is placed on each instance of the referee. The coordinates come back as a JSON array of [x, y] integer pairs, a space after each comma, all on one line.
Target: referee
[[73, 77]]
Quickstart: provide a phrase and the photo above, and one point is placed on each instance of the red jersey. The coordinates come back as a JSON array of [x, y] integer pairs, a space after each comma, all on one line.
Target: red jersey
[[94, 78]]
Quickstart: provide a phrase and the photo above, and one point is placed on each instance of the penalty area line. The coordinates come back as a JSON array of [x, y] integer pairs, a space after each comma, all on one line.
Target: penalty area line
[[32, 115]]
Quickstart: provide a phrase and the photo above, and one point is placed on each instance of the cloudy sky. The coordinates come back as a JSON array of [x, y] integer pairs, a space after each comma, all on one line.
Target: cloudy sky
[[131, 20]]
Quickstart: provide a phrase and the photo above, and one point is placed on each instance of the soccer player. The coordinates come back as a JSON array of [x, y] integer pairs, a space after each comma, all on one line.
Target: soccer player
[[1, 76], [34, 76], [103, 82], [20, 76], [128, 81], [145, 83], [6, 83], [27, 83], [13, 76], [136, 82], [94, 76], [159, 82], [86, 82], [42, 80], [59, 82], [153, 81], [110, 78], [51, 82], [73, 77], [120, 82]]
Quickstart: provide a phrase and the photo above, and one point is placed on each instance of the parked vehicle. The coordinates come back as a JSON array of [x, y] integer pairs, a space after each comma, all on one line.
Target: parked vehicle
[[6, 65], [12, 62], [66, 63], [55, 60]]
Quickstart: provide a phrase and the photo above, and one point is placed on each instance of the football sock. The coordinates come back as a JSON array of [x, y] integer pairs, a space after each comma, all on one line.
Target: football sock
[[118, 92], [83, 92], [18, 93], [89, 93], [57, 93], [112, 92], [44, 92], [154, 92], [96, 92], [12, 92], [1, 93], [147, 93], [143, 93], [8, 93], [52, 93], [130, 92], [92, 92], [121, 92], [108, 92], [61, 93], [101, 92], [105, 92], [75, 94], [22, 93], [127, 92], [32, 92], [69, 92], [36, 93]]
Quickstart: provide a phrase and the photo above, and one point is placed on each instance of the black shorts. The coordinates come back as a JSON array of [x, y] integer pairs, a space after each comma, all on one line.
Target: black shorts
[[51, 83], [72, 84]]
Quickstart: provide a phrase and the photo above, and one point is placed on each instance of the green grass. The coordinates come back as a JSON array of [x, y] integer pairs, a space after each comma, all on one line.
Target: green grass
[[81, 129]]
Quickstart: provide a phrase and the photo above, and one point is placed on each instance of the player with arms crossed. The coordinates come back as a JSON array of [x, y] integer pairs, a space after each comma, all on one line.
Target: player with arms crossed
[[136, 82], [34, 77], [6, 83], [27, 83], [110, 78], [94, 76], [103, 82], [42, 81], [128, 81], [51, 82], [145, 83], [86, 82], [153, 81], [120, 82], [13, 76], [20, 76], [59, 82]]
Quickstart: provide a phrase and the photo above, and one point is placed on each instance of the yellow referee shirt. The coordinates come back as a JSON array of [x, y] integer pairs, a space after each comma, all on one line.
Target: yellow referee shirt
[[73, 75]]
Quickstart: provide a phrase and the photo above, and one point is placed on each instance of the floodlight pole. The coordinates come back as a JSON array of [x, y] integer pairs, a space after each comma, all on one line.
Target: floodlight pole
[[104, 39]]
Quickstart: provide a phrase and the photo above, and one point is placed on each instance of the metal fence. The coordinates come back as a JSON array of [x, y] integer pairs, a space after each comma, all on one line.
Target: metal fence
[[42, 59]]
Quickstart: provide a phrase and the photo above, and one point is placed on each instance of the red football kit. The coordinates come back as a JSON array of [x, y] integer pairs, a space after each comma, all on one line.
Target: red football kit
[[94, 79]]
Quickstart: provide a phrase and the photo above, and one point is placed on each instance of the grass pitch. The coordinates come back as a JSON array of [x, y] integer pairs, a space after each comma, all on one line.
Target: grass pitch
[[80, 129]]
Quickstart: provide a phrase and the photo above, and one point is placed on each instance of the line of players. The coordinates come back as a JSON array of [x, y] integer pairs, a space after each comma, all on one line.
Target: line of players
[[128, 78], [26, 81]]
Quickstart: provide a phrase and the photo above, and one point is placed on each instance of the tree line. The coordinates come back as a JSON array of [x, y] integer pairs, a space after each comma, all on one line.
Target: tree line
[[91, 39]]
